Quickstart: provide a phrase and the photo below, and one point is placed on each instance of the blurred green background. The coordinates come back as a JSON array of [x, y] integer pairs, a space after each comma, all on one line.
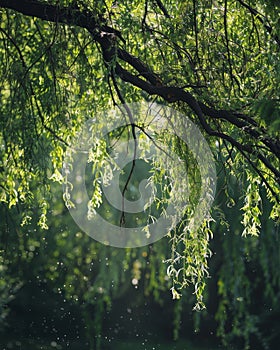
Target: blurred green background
[[60, 289]]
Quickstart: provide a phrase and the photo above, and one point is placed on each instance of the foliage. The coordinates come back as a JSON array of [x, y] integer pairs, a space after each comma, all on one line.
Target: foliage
[[61, 62]]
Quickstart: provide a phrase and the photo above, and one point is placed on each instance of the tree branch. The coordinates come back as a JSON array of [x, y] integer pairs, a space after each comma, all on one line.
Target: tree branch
[[163, 9], [150, 82], [262, 19], [67, 15]]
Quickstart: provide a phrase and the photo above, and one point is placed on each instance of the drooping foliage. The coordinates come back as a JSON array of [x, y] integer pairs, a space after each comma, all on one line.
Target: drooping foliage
[[217, 62]]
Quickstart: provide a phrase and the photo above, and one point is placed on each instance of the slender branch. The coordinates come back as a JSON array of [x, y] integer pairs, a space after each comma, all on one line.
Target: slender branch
[[24, 65], [163, 9], [262, 19], [227, 41], [195, 30], [128, 111]]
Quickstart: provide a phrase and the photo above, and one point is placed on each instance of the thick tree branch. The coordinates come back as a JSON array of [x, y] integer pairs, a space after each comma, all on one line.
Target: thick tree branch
[[141, 68], [173, 94], [67, 15]]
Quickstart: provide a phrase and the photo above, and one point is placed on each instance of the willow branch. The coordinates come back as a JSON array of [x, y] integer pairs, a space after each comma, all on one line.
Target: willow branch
[[261, 18], [108, 39]]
